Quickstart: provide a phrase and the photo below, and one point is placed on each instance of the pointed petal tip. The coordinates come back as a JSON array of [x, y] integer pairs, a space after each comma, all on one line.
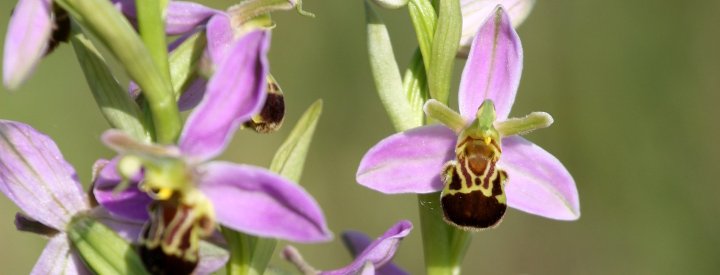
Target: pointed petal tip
[[474, 13]]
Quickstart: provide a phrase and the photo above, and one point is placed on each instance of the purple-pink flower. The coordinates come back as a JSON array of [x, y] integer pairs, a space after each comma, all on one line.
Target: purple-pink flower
[[370, 257], [415, 161], [242, 197], [36, 177], [26, 41]]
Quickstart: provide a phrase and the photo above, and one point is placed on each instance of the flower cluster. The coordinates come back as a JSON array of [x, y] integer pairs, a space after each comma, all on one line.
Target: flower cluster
[[164, 205]]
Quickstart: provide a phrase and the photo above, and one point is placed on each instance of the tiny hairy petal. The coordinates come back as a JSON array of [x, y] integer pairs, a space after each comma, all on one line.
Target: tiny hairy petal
[[29, 32], [131, 202], [234, 94], [182, 16], [219, 37], [537, 182], [474, 13], [57, 259], [256, 201], [379, 252], [493, 68], [408, 162], [36, 177]]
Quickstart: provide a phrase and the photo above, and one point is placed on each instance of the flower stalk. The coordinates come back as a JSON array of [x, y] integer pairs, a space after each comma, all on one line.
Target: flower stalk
[[104, 21], [151, 22]]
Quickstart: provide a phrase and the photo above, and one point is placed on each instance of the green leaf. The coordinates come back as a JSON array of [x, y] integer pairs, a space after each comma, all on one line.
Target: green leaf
[[442, 113], [290, 157], [250, 254], [444, 49], [184, 61], [424, 20], [115, 103], [387, 75], [103, 250], [106, 23], [415, 83]]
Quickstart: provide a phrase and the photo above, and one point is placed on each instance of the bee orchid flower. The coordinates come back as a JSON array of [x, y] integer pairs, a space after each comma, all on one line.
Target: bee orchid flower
[[476, 158], [36, 177], [181, 186]]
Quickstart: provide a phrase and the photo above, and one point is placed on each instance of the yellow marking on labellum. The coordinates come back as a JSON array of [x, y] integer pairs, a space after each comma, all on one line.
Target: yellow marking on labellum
[[170, 241], [474, 194], [164, 193]]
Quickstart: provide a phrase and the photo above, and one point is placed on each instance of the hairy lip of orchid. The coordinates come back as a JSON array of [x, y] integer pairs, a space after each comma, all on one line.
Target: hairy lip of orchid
[[476, 158]]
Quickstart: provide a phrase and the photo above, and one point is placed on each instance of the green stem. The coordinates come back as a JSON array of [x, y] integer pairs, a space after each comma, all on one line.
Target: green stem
[[444, 246], [151, 24], [240, 252], [106, 23]]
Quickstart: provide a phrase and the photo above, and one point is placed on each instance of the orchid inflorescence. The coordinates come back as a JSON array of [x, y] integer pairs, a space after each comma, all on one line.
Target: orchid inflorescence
[[163, 205]]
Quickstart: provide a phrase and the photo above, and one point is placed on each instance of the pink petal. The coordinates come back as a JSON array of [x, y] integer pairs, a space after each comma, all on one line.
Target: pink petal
[[36, 177], [182, 17], [475, 12], [537, 182], [253, 200], [57, 259], [193, 94], [493, 68], [379, 252], [27, 39], [234, 94], [219, 37], [130, 203], [408, 162]]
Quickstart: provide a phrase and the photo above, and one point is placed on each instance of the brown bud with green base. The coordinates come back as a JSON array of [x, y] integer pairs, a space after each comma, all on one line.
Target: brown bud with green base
[[272, 114]]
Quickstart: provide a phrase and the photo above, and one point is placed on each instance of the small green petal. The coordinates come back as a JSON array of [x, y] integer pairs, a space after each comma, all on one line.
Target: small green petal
[[442, 113], [524, 125]]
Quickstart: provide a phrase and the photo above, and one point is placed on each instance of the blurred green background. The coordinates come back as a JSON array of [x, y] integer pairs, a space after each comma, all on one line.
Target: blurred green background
[[633, 87]]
